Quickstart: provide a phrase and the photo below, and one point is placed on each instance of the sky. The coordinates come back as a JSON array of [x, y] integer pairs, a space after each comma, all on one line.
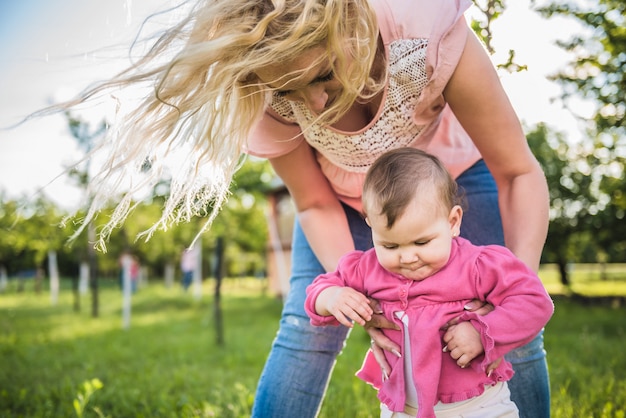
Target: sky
[[52, 50]]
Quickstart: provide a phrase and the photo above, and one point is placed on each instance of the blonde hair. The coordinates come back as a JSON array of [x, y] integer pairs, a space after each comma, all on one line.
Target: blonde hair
[[206, 97], [395, 178]]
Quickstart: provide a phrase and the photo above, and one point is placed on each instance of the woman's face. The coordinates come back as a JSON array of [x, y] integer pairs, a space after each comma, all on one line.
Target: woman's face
[[304, 80]]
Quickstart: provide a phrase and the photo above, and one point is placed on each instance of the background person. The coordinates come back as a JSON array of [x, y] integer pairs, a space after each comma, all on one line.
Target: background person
[[188, 265]]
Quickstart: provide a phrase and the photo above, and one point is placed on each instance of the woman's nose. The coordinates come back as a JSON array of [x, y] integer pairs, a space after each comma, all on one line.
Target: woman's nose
[[315, 98]]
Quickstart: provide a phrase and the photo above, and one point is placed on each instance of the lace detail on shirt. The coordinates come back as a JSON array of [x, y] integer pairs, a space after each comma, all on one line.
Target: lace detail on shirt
[[394, 127]]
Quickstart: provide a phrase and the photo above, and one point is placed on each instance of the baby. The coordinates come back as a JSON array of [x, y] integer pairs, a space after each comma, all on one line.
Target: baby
[[422, 274]]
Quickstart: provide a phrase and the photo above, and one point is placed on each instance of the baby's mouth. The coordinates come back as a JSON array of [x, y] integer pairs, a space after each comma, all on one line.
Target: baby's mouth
[[413, 267]]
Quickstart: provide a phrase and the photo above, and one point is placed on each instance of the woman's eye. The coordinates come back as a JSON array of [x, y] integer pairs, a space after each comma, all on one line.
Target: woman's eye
[[326, 77], [321, 79]]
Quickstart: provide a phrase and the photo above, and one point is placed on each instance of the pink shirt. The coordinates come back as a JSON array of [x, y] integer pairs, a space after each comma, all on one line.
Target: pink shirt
[[423, 41], [489, 273]]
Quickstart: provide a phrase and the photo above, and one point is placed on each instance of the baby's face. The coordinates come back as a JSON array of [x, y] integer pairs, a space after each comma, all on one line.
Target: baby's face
[[418, 244]]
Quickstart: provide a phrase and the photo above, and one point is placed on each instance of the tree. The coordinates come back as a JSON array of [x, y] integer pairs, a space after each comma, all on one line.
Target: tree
[[245, 213], [492, 10], [571, 200], [29, 230], [81, 131], [597, 71], [11, 245], [241, 222], [597, 74]]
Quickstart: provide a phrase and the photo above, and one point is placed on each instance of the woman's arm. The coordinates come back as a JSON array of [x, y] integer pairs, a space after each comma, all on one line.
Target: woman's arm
[[479, 102], [321, 216], [325, 225]]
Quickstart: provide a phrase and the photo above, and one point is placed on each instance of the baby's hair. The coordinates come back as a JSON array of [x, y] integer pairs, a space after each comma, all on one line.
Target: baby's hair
[[397, 176], [205, 97]]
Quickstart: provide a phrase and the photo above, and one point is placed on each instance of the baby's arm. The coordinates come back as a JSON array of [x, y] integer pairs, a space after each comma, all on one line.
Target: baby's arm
[[345, 304], [521, 307], [463, 343]]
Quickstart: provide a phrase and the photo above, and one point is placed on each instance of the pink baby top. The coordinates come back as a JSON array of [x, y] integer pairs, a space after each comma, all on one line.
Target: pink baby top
[[489, 273], [423, 42]]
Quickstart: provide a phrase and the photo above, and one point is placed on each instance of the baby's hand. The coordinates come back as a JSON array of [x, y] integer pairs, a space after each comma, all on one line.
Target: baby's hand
[[463, 343], [345, 304]]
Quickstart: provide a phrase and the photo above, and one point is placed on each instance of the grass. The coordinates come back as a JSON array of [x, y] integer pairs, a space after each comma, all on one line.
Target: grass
[[587, 363], [169, 365], [591, 280], [166, 364]]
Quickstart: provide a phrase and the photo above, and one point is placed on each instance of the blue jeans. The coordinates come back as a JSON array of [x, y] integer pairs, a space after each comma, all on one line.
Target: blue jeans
[[187, 279], [302, 357]]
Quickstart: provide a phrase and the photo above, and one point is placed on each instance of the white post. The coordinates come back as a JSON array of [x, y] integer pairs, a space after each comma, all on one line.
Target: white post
[[169, 275], [53, 270], [4, 278], [126, 264], [83, 281], [197, 272]]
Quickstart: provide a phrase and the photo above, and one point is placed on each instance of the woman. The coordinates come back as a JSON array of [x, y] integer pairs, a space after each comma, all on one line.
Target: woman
[[322, 88]]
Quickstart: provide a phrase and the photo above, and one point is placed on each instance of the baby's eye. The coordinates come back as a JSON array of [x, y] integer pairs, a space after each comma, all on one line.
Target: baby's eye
[[390, 247], [421, 243]]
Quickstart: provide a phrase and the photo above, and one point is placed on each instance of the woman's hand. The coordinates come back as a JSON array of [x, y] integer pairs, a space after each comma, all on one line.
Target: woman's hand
[[379, 341], [478, 306]]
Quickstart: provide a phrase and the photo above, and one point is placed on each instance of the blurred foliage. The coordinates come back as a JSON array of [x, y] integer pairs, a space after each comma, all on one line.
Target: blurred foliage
[[597, 69], [491, 10], [30, 228], [586, 179]]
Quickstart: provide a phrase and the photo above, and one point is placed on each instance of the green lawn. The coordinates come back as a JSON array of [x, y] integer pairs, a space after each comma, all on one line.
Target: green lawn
[[587, 279], [168, 364]]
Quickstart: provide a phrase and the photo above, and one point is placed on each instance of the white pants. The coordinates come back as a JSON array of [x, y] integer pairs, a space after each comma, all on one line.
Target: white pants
[[494, 402]]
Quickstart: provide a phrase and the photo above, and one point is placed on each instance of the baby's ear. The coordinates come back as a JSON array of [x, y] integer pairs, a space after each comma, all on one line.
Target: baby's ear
[[455, 218]]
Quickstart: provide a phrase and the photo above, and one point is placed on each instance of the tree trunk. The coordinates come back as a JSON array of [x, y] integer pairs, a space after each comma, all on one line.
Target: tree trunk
[[38, 279], [76, 293], [603, 271], [219, 263], [563, 272], [93, 269]]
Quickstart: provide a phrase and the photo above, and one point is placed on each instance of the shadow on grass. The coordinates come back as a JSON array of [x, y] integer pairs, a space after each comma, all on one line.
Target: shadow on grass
[[614, 302]]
